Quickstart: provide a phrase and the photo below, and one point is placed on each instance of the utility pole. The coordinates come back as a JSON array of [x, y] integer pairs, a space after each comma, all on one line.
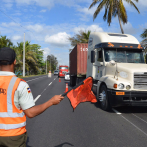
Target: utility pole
[[46, 65], [24, 57], [50, 63]]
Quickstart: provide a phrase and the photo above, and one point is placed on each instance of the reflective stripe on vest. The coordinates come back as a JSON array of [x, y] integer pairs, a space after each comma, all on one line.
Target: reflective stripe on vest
[[9, 112], [12, 126]]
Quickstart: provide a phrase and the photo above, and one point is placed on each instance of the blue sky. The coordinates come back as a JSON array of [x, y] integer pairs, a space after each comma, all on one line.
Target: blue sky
[[50, 22]]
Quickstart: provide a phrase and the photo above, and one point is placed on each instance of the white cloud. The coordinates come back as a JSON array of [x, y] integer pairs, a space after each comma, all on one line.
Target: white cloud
[[60, 39], [43, 3], [46, 52], [128, 28], [11, 24], [44, 10], [86, 11], [8, 3], [16, 38], [92, 28], [37, 28]]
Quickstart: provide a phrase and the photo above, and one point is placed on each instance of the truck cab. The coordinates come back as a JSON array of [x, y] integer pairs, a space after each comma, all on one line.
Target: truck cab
[[116, 63], [63, 69]]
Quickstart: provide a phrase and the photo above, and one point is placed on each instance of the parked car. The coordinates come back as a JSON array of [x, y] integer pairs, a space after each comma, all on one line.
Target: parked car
[[67, 76], [56, 72]]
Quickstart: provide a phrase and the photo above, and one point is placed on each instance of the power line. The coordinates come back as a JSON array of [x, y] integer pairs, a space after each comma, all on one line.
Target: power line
[[19, 24]]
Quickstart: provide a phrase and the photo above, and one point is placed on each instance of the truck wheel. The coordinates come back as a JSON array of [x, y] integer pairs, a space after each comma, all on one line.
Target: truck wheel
[[103, 98]]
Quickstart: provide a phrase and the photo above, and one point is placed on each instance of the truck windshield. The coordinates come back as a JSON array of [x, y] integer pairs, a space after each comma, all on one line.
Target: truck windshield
[[63, 68], [124, 56]]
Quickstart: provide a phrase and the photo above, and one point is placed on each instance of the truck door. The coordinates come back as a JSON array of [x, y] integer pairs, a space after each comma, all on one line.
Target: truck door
[[94, 70], [100, 64]]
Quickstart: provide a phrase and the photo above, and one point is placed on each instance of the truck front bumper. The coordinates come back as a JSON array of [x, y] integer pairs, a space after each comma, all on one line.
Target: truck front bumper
[[130, 98], [61, 75]]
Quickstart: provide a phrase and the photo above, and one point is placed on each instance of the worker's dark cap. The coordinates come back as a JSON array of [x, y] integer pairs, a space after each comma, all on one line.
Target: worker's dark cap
[[7, 56]]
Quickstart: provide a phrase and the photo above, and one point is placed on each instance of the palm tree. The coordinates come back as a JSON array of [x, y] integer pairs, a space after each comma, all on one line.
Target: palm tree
[[144, 41], [82, 37], [5, 42], [113, 8], [31, 61]]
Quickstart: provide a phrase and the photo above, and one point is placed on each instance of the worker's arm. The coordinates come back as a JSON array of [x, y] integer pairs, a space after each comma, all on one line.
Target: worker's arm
[[36, 110]]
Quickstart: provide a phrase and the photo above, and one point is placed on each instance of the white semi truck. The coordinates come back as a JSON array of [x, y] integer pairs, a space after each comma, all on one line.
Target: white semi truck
[[116, 63]]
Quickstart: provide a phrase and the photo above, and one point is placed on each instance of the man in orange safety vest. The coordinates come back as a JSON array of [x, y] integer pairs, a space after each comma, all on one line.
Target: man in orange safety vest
[[16, 102]]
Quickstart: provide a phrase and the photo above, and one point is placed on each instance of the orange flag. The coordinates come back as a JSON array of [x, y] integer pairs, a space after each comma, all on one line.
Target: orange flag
[[82, 93]]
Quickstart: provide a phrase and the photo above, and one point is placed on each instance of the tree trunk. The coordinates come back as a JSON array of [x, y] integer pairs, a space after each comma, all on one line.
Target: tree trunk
[[119, 19], [120, 25]]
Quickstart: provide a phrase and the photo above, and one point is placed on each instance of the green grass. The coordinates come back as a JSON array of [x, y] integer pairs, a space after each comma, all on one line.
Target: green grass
[[31, 76]]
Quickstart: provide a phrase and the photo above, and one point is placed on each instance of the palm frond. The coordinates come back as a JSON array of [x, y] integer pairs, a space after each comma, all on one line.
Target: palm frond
[[94, 3], [144, 34], [134, 6], [99, 8]]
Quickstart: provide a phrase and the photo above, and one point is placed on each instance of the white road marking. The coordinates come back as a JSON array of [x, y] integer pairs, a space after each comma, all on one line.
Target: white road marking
[[35, 79], [42, 91], [139, 118], [50, 83], [116, 111], [129, 121], [37, 98]]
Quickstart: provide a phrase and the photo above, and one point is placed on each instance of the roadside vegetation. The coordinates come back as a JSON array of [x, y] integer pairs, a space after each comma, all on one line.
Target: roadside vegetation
[[144, 41], [81, 37], [34, 63]]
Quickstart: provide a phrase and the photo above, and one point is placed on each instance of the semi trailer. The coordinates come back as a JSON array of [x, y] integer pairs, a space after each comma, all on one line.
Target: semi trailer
[[78, 63]]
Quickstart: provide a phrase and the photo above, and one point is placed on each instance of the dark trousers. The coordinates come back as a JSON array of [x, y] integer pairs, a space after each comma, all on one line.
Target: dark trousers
[[13, 141]]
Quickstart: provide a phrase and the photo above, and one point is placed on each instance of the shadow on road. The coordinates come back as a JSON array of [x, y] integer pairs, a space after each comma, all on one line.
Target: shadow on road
[[61, 145], [125, 109], [132, 109], [97, 105], [28, 142]]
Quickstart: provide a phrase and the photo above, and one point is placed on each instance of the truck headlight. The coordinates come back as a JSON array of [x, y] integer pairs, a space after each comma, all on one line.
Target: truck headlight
[[121, 86], [128, 87]]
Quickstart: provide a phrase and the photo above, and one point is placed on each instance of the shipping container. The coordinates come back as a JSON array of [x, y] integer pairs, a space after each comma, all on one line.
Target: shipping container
[[78, 63]]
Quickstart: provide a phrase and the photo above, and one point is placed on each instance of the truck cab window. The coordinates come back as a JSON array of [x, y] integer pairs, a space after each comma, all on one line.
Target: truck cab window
[[99, 56], [124, 56]]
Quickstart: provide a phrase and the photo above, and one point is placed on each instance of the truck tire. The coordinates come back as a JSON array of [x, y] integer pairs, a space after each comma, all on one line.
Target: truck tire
[[103, 98]]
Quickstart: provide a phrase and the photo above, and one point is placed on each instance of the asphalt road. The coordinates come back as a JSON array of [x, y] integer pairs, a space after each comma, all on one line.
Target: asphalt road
[[87, 126]]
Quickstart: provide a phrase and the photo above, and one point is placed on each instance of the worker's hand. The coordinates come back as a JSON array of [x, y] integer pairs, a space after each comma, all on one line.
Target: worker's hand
[[56, 99]]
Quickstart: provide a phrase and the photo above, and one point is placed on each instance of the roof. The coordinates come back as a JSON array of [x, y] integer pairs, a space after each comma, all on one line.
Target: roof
[[103, 37]]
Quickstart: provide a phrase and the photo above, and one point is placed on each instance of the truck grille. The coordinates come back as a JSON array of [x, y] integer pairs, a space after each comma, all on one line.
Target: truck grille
[[140, 80], [64, 72]]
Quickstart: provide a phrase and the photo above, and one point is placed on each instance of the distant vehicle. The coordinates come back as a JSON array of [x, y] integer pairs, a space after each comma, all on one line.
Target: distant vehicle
[[67, 76], [63, 69], [56, 72]]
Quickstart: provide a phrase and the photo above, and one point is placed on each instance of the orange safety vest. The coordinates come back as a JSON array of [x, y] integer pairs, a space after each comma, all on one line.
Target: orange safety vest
[[12, 120]]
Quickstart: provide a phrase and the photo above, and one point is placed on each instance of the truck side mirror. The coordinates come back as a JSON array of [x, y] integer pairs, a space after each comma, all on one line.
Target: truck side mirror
[[92, 56]]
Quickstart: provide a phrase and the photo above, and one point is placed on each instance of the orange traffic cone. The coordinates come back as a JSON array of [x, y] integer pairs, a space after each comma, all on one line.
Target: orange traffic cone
[[59, 80], [66, 89]]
